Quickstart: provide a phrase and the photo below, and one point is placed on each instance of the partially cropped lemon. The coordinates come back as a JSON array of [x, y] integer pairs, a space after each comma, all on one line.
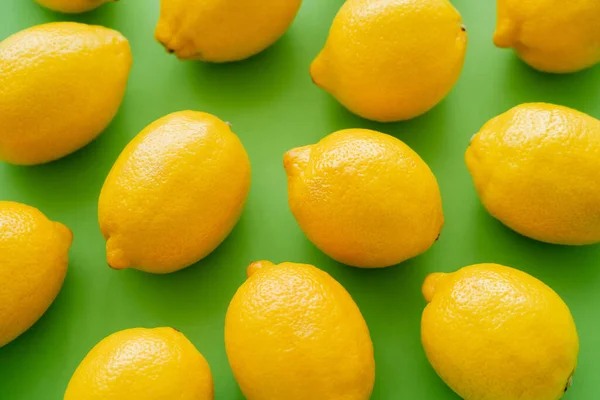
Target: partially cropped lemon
[[495, 333], [142, 364], [72, 6], [222, 31], [364, 198], [551, 35], [60, 85], [293, 332], [391, 60], [174, 194], [33, 264], [536, 167]]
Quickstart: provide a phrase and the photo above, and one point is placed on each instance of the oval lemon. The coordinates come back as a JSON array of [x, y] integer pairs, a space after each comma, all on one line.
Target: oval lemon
[[292, 332], [60, 86], [492, 332], [174, 194], [33, 264]]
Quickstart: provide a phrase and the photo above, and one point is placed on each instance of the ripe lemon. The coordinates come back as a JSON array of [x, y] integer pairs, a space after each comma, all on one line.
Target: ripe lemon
[[293, 332], [551, 35], [536, 167], [72, 6], [495, 333], [60, 85], [174, 194], [222, 31], [33, 264], [391, 60], [142, 364], [364, 198]]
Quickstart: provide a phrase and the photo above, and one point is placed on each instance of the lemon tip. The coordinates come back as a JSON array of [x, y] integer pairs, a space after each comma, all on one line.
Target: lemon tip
[[430, 285], [256, 266]]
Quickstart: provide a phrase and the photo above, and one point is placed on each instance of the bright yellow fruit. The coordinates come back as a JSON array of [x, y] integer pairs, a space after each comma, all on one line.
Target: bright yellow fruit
[[391, 60], [536, 167], [222, 31], [551, 35], [176, 191], [142, 364], [293, 332], [495, 333], [72, 6], [60, 86], [364, 198], [33, 264]]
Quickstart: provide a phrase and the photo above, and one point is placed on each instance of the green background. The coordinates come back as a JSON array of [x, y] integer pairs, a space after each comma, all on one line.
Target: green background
[[273, 106]]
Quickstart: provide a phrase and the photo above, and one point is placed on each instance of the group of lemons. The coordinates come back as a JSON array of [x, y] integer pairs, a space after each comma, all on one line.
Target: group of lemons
[[364, 198]]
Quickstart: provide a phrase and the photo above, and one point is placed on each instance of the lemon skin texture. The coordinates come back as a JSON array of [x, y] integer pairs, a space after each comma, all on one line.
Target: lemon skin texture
[[174, 194], [60, 86], [72, 6], [142, 364], [553, 36], [392, 60], [223, 31], [292, 332], [535, 169], [495, 333], [33, 265], [364, 198]]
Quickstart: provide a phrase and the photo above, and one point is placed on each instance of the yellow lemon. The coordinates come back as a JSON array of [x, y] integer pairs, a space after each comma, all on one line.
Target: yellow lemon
[[391, 60], [551, 35], [364, 198], [60, 86], [536, 167], [72, 6], [222, 31], [142, 364], [33, 264], [175, 193], [293, 332], [495, 333]]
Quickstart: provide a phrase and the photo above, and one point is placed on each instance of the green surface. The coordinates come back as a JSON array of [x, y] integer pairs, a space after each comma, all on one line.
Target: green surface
[[273, 107]]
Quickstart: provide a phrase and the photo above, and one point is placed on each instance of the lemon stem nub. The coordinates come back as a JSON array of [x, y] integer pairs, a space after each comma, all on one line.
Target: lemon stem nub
[[295, 160], [257, 265], [430, 285]]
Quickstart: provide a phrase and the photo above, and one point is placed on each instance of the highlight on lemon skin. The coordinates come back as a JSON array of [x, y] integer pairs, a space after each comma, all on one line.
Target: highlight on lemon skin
[[552, 36], [313, 326], [364, 198], [494, 332]]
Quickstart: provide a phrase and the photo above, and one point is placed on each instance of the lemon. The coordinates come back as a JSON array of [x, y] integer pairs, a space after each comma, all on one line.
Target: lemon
[[72, 6], [174, 194], [293, 332], [551, 35], [60, 86], [495, 333], [364, 198], [222, 31], [142, 364], [33, 264], [536, 167], [391, 60]]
